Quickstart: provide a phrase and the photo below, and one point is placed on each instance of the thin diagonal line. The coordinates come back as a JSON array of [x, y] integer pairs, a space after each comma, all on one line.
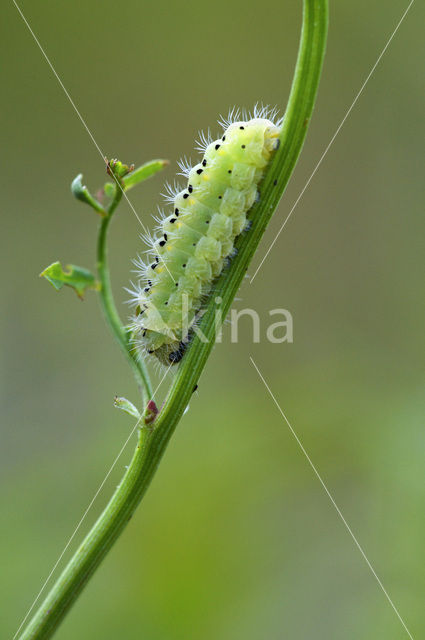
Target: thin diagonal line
[[83, 122], [332, 140], [86, 511], [331, 498]]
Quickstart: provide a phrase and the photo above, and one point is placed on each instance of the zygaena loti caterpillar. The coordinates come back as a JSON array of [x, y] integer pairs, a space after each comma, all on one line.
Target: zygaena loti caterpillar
[[196, 241]]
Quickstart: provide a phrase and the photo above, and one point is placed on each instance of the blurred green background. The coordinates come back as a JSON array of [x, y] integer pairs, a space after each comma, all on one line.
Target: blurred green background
[[236, 538]]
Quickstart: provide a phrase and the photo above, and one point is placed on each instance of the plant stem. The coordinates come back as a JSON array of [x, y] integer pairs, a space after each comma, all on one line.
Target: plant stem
[[153, 442], [108, 305]]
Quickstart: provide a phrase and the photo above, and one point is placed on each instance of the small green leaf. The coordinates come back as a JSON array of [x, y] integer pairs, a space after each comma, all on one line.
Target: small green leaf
[[118, 169], [76, 277], [129, 177], [81, 192], [127, 406], [109, 189], [142, 173]]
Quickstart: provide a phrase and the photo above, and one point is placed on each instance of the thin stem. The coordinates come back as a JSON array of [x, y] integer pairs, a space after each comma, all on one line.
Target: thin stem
[[152, 443], [108, 305]]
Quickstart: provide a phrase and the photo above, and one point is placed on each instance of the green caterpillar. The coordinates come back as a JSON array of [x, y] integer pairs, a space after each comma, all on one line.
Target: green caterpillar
[[197, 239]]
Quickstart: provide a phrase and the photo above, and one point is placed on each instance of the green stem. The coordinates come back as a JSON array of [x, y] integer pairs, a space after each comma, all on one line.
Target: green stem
[[108, 305], [152, 443]]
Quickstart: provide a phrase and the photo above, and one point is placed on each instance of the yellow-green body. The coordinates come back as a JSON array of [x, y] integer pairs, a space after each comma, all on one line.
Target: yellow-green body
[[198, 237]]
